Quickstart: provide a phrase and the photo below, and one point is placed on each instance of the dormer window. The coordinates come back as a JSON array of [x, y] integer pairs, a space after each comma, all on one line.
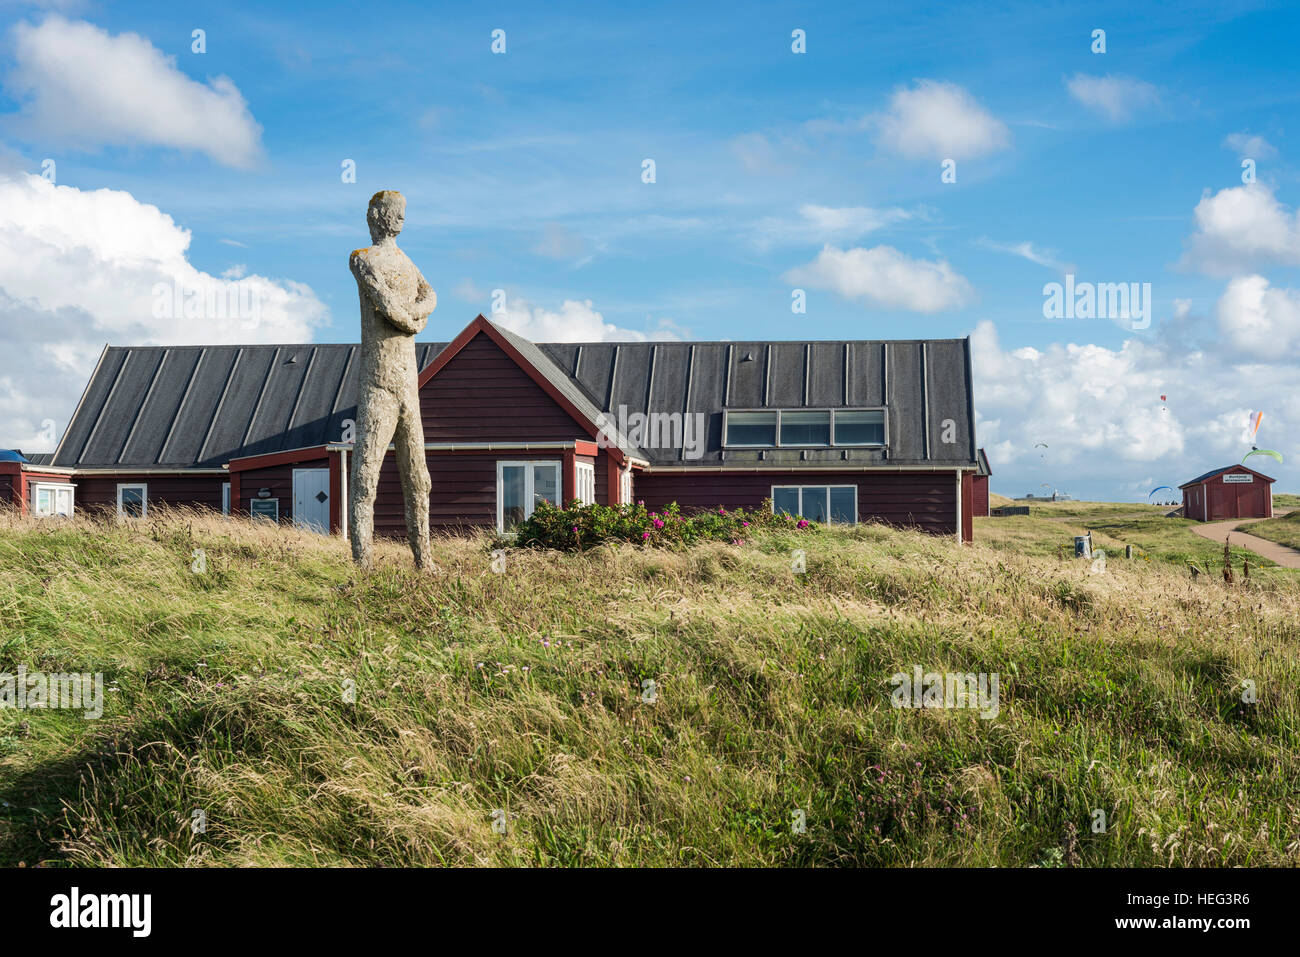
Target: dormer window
[[804, 428]]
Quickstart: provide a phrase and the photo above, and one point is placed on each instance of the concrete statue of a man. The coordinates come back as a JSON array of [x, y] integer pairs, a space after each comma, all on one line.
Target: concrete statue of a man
[[395, 304]]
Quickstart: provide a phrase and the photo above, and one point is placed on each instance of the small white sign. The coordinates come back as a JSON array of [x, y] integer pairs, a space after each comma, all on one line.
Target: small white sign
[[1236, 478]]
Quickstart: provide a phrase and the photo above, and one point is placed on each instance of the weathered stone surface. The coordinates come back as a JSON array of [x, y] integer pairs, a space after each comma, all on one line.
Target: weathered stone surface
[[395, 305]]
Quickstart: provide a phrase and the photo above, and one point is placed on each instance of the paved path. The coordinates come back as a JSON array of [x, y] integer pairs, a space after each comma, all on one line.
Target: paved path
[[1217, 531]]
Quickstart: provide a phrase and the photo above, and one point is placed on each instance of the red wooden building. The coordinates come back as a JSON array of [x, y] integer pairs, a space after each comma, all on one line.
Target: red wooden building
[[1233, 491], [834, 431], [980, 486]]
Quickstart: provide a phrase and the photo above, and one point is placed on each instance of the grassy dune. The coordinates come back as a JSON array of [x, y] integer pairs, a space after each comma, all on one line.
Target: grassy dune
[[522, 692], [1285, 529]]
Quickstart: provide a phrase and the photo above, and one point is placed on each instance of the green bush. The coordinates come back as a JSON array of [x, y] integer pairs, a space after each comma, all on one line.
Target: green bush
[[578, 526]]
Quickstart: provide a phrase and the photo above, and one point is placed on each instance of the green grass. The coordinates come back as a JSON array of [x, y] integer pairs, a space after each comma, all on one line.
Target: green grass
[[1284, 530], [522, 692], [1283, 500]]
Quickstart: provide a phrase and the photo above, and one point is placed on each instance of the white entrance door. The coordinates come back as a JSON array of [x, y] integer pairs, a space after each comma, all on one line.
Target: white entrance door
[[311, 499]]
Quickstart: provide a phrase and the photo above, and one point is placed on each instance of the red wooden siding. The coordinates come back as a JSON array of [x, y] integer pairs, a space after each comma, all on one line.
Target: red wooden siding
[[482, 396], [967, 506], [980, 495], [7, 489], [926, 500], [277, 478], [192, 490], [1214, 500]]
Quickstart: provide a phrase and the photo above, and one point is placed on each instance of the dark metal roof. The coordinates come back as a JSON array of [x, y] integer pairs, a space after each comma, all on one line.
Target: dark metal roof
[[200, 406], [1219, 471], [920, 383], [983, 463]]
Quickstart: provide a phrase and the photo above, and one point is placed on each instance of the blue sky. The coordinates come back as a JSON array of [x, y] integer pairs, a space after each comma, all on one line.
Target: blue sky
[[523, 172]]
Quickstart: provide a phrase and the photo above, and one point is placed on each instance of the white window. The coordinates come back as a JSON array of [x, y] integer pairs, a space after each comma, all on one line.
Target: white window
[[133, 500], [225, 498], [51, 499], [520, 486], [859, 427], [750, 430], [817, 503], [625, 486], [586, 490]]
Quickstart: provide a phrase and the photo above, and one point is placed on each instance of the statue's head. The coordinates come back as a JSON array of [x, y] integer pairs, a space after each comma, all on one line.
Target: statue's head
[[386, 215]]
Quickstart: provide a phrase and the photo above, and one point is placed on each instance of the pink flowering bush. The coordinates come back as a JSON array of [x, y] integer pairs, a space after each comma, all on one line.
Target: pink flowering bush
[[578, 526]]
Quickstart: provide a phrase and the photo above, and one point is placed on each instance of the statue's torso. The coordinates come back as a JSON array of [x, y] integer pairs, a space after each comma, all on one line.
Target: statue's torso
[[387, 353]]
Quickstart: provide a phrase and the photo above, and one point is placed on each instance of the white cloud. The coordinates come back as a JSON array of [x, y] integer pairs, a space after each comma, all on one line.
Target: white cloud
[[1099, 409], [939, 121], [822, 224], [1027, 250], [1115, 97], [90, 262], [1241, 228], [574, 322], [81, 88], [883, 277], [1260, 320], [1249, 146]]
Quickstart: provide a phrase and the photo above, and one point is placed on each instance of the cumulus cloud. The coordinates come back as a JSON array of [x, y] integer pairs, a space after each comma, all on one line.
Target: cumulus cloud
[[574, 322], [1260, 320], [99, 266], [1241, 228], [81, 88], [939, 120], [882, 277], [1099, 410], [1117, 98]]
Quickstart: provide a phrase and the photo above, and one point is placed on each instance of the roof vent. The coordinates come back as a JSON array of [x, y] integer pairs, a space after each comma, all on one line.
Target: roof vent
[[291, 360], [748, 357]]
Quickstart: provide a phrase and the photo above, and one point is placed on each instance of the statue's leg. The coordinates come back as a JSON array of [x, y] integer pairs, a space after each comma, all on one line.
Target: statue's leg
[[414, 472], [376, 417]]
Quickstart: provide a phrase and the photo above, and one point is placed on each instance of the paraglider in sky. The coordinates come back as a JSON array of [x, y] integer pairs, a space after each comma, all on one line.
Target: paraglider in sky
[[1252, 427], [1041, 445], [1163, 407], [1268, 452], [1159, 488]]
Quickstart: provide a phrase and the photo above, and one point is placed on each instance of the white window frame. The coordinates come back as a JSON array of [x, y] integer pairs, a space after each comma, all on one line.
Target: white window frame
[[225, 498], [625, 486], [884, 414], [585, 477], [828, 488], [55, 488], [144, 498], [274, 500], [529, 492]]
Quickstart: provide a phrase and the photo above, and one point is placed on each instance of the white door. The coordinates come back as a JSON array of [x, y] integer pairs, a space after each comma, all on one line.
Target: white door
[[311, 499]]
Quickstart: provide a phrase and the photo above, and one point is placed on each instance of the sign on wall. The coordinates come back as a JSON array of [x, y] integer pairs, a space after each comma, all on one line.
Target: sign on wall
[[265, 508], [1238, 479]]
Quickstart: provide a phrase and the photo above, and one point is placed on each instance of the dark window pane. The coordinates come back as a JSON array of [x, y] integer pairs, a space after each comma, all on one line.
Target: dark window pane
[[843, 504], [751, 428], [860, 428], [785, 501], [512, 496], [814, 503], [805, 428]]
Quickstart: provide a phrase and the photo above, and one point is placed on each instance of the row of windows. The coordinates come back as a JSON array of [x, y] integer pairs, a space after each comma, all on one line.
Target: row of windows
[[520, 487], [803, 428]]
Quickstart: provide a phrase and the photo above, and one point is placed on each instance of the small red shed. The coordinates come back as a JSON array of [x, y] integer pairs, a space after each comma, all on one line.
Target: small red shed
[[1233, 491], [980, 486]]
